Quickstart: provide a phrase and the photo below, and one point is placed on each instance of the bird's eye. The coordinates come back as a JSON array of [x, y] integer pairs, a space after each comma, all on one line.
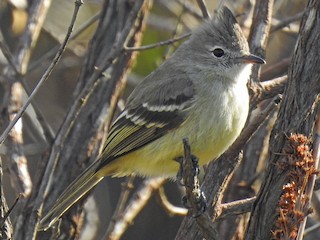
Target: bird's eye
[[218, 52]]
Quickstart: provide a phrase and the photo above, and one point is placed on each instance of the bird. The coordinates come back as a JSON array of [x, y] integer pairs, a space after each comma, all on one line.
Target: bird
[[199, 93]]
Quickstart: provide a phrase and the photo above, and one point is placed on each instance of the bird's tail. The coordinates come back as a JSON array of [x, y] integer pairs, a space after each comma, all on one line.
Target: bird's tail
[[79, 187]]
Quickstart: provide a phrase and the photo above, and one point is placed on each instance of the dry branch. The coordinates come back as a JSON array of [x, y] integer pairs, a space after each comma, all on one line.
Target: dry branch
[[296, 115]]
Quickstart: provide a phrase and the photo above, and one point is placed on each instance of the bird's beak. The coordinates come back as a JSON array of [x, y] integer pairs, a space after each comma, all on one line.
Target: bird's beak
[[250, 58]]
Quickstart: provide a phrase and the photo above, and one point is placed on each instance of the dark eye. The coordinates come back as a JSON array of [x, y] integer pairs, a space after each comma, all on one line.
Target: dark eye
[[218, 52]]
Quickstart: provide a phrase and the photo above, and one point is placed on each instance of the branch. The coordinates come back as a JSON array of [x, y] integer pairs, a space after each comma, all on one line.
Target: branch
[[194, 195], [120, 208], [285, 22], [311, 180], [169, 207], [234, 208], [137, 203], [296, 115], [158, 44], [73, 35], [7, 54], [29, 38], [222, 169], [275, 70], [204, 9], [45, 75], [259, 31], [32, 224], [14, 97], [6, 229], [260, 91], [6, 216], [96, 96], [190, 8]]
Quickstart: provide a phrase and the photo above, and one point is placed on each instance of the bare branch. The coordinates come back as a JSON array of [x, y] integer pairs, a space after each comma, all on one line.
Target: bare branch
[[95, 98], [222, 169], [30, 37], [159, 44], [4, 219], [7, 54], [311, 229], [275, 70], [285, 22], [139, 200], [6, 230], [259, 31], [297, 114], [194, 195], [235, 208], [169, 207], [260, 91], [31, 227], [44, 77], [127, 186], [312, 178], [204, 9], [190, 8], [73, 35]]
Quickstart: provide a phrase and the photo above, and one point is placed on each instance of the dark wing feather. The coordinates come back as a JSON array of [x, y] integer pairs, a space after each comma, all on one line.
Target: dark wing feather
[[143, 122]]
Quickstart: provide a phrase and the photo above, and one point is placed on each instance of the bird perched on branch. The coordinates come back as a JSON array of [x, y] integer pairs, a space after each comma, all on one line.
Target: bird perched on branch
[[199, 93]]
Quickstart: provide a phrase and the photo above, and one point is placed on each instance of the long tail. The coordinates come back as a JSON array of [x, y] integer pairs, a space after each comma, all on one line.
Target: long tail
[[79, 187]]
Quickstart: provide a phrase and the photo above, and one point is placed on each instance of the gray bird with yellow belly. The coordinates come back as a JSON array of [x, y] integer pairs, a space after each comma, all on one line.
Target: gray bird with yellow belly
[[200, 93]]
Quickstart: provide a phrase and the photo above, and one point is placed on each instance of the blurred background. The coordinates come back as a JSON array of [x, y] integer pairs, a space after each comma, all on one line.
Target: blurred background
[[166, 19]]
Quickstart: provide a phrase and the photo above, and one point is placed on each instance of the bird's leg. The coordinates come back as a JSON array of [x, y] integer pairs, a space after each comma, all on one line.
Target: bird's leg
[[195, 162], [196, 168]]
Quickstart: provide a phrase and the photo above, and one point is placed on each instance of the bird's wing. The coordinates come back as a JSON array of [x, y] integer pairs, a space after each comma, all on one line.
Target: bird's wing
[[147, 117]]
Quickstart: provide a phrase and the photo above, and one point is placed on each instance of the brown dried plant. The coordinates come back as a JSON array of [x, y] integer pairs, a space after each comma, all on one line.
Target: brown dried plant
[[294, 204]]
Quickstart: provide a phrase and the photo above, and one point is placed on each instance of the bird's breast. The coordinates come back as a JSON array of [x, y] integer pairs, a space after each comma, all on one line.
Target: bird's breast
[[219, 123], [213, 124]]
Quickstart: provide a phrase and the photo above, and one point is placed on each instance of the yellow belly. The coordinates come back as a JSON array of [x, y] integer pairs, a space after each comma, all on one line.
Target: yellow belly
[[208, 140], [212, 126]]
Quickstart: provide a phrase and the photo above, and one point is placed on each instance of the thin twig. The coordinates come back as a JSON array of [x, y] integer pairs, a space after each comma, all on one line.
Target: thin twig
[[317, 184], [276, 69], [190, 8], [9, 211], [32, 229], [259, 32], [235, 208], [194, 196], [174, 33], [6, 229], [45, 75], [204, 9], [127, 186], [14, 97], [138, 202], [260, 91], [286, 22], [19, 78], [31, 34], [311, 180], [168, 206], [7, 54], [85, 91], [46, 128], [311, 229], [158, 44], [74, 34]]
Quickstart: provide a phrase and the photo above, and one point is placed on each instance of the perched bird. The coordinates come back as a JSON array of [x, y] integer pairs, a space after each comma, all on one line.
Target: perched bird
[[199, 93]]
